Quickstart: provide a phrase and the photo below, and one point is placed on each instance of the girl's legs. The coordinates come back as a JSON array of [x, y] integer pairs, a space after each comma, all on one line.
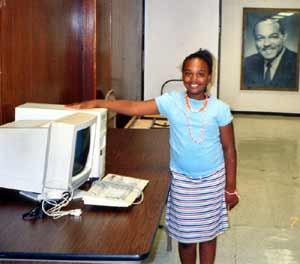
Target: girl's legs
[[207, 251], [187, 253]]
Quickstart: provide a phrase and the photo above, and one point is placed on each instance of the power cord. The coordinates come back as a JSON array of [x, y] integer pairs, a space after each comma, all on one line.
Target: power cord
[[141, 195], [140, 200], [52, 208]]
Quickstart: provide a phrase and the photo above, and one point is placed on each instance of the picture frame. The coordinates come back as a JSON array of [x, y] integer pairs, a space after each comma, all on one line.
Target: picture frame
[[270, 49]]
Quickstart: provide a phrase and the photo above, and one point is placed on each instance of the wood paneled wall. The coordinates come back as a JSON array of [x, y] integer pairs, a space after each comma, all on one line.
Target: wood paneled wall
[[62, 51], [103, 46], [127, 33], [120, 47], [42, 45], [88, 49]]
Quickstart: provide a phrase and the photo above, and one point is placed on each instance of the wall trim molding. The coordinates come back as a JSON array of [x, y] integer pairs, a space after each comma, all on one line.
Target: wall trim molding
[[266, 113]]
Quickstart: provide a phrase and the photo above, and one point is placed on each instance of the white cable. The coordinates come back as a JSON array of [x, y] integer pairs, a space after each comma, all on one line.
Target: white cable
[[55, 210], [140, 200]]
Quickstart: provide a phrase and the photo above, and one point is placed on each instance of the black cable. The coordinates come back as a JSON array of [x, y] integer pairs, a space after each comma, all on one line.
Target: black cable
[[34, 213]]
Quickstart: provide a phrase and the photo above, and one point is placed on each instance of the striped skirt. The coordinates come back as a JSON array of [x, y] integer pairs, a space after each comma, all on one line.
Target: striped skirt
[[196, 209]]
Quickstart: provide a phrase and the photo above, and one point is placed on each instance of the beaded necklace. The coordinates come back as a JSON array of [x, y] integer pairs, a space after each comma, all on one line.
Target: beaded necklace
[[187, 103], [201, 109]]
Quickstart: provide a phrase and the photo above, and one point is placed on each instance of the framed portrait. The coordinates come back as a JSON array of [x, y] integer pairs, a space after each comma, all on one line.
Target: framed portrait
[[270, 49]]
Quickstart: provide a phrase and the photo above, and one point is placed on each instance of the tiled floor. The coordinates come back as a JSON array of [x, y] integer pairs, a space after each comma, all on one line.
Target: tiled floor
[[265, 226]]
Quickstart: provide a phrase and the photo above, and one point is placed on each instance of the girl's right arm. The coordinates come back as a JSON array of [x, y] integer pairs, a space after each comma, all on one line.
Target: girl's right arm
[[126, 107]]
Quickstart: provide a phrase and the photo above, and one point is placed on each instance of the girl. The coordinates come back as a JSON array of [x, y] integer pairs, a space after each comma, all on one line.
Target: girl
[[202, 158]]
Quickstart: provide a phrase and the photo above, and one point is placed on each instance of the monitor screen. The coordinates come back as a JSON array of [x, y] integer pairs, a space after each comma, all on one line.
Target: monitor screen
[[82, 149]]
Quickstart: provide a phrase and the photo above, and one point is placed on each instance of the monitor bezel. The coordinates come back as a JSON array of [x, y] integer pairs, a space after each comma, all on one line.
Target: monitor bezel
[[63, 131]]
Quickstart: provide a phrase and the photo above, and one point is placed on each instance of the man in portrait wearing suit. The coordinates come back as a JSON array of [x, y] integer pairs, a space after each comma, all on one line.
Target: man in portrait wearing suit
[[274, 65]]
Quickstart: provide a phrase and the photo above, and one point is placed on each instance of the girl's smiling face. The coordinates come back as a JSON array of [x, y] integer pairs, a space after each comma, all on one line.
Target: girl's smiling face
[[196, 77]]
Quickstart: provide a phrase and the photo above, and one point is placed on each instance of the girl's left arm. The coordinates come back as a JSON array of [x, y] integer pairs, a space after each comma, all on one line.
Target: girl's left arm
[[228, 144]]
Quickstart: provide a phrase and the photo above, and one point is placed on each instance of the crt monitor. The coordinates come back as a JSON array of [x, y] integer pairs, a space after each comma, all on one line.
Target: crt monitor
[[45, 158], [38, 111]]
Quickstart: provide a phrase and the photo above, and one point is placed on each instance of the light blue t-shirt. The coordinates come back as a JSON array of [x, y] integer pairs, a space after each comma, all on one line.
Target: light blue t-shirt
[[187, 157]]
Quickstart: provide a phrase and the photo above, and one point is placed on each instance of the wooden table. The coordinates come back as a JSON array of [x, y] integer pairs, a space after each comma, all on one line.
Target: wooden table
[[101, 233]]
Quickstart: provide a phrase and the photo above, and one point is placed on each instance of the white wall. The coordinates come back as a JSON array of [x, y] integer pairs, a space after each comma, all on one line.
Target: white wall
[[231, 55], [173, 30]]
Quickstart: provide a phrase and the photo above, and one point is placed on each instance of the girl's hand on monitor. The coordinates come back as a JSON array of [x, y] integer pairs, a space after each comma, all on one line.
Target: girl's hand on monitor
[[84, 105]]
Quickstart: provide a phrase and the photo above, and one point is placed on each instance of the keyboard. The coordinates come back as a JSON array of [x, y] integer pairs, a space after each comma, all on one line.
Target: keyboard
[[113, 190]]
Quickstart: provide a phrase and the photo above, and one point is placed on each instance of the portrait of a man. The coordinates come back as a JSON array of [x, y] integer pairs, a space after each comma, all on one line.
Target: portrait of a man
[[273, 64]]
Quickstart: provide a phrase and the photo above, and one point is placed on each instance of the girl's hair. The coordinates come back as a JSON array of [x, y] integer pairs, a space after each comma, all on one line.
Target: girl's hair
[[203, 55]]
